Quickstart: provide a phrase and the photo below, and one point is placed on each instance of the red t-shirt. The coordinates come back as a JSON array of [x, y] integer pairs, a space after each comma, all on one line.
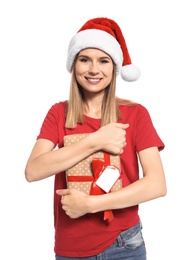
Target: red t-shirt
[[89, 234]]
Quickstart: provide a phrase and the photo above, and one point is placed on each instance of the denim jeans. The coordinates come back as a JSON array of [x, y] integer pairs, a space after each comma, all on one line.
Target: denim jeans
[[128, 246]]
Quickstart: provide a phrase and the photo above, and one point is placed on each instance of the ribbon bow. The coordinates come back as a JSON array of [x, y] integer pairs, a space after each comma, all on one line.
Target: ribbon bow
[[98, 165]]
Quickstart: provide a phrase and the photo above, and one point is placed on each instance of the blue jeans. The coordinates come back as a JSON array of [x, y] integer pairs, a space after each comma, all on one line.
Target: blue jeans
[[128, 246]]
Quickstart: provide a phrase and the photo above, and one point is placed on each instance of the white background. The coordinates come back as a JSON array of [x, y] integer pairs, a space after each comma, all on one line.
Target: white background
[[34, 36]]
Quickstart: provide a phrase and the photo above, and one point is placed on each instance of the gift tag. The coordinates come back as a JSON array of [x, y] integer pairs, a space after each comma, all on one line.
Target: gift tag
[[108, 178]]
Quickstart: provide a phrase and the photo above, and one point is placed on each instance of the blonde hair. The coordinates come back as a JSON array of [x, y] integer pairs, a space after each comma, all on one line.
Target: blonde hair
[[109, 110]]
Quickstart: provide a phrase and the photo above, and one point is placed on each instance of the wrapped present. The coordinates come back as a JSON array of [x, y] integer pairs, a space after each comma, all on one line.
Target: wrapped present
[[83, 175]]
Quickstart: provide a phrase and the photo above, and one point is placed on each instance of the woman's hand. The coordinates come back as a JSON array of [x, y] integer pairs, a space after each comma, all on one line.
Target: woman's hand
[[74, 202], [111, 138]]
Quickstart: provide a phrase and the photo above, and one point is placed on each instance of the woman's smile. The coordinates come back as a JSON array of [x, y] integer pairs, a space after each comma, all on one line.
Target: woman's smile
[[93, 80]]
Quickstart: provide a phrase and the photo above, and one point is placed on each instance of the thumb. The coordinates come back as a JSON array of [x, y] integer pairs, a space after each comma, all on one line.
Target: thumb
[[123, 126], [62, 192]]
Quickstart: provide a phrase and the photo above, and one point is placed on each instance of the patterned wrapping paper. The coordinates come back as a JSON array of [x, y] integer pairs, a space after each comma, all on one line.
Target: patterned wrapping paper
[[81, 175]]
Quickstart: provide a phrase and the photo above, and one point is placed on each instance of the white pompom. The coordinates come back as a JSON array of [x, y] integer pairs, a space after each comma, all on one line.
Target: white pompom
[[130, 73]]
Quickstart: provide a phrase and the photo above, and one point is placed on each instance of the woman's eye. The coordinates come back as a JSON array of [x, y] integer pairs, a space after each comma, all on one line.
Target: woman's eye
[[83, 60], [104, 61]]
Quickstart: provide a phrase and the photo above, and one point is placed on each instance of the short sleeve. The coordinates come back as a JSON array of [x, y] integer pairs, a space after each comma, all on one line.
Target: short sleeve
[[53, 124], [146, 135]]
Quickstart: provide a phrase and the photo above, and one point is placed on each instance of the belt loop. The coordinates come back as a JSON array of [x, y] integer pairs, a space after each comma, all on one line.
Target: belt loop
[[119, 241]]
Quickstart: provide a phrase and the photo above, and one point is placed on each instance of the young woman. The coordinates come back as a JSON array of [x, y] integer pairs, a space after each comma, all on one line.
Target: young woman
[[98, 222]]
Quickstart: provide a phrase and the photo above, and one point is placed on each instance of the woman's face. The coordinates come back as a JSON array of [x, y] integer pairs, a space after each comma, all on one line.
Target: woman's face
[[93, 70]]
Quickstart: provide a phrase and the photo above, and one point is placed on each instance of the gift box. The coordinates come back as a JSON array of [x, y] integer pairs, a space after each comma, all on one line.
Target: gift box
[[83, 175]]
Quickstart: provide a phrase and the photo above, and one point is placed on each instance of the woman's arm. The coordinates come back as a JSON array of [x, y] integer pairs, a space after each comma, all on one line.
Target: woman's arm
[[151, 186], [44, 161]]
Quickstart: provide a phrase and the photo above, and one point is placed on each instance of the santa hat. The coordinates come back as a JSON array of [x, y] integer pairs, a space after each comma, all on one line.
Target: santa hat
[[106, 35]]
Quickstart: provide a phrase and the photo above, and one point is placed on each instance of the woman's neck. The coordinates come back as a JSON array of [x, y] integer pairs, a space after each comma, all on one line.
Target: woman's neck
[[93, 109]]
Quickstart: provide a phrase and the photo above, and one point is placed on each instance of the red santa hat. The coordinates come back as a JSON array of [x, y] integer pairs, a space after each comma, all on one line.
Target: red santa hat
[[106, 35]]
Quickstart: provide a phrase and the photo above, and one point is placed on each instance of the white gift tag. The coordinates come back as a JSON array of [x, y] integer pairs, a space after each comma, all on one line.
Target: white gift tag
[[108, 178]]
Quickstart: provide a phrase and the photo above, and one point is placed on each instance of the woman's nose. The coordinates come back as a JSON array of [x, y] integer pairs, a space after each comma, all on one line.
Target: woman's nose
[[93, 68]]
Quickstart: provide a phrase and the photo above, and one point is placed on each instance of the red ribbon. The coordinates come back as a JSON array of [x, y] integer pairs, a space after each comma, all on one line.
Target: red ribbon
[[97, 167], [98, 164]]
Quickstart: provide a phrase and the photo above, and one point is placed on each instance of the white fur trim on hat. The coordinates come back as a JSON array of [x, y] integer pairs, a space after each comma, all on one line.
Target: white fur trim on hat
[[94, 38]]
